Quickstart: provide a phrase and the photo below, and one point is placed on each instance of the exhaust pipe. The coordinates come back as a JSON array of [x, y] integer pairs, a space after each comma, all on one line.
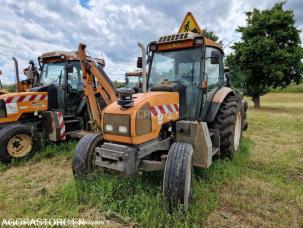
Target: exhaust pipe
[[141, 45], [17, 74]]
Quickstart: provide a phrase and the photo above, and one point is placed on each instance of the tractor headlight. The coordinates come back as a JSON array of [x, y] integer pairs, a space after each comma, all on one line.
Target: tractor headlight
[[123, 129], [116, 124], [109, 127]]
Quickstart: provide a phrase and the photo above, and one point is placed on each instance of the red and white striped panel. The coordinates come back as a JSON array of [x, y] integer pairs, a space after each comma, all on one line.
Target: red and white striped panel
[[61, 125], [164, 109], [25, 98]]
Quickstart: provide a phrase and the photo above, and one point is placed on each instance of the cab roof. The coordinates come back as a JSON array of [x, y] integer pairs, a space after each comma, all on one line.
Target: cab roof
[[184, 37], [54, 56]]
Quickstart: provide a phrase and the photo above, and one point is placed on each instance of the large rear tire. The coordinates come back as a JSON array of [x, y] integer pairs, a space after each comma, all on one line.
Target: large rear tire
[[229, 123], [17, 141], [177, 182], [83, 158]]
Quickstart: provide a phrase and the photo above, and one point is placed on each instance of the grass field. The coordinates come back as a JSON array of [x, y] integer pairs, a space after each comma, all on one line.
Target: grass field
[[261, 187], [290, 89]]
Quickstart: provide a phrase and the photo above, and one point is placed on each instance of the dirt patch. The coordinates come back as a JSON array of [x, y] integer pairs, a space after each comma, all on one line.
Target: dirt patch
[[34, 179]]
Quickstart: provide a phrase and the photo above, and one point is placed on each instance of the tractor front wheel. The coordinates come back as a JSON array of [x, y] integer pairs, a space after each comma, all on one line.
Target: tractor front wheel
[[177, 182], [16, 141], [84, 157]]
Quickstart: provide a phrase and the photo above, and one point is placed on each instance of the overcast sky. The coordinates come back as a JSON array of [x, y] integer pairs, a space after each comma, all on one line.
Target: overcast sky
[[111, 27]]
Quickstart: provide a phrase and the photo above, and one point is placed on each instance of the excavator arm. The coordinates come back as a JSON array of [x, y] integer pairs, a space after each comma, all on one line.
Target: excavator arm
[[91, 72]]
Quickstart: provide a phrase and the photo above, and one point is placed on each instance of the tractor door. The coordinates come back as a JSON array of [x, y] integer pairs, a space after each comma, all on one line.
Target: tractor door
[[181, 67], [214, 75], [74, 87]]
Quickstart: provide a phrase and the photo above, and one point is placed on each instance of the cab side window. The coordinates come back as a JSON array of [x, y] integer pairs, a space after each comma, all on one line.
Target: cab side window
[[75, 76]]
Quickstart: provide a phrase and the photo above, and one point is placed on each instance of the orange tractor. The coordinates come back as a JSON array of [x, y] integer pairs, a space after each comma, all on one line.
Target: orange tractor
[[184, 118], [50, 104]]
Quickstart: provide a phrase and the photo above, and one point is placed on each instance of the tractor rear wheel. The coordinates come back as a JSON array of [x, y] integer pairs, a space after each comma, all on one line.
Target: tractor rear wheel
[[177, 182], [229, 123], [84, 156], [16, 141]]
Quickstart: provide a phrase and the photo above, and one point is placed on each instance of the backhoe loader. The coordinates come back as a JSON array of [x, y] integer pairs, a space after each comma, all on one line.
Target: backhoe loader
[[53, 106], [184, 118]]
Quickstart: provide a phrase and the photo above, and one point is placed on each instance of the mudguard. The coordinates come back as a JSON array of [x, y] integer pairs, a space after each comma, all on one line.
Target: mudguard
[[216, 102]]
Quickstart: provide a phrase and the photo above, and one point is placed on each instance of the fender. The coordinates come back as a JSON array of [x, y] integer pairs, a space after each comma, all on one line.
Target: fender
[[216, 102]]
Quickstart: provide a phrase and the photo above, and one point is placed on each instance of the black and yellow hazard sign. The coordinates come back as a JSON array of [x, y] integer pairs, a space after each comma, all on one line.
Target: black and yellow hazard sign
[[189, 24]]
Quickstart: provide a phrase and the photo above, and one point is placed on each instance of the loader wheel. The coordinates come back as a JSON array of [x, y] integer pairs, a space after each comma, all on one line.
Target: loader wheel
[[83, 158], [229, 122], [16, 141], [177, 182]]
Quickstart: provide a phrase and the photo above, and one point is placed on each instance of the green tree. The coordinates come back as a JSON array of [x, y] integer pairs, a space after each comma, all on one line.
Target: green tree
[[269, 52]]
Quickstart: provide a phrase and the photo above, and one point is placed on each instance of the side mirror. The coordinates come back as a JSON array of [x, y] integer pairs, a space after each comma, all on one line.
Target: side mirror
[[126, 80], [214, 57], [139, 62]]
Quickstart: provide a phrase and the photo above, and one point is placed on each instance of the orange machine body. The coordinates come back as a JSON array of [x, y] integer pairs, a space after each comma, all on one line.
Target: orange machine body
[[18, 104], [162, 108]]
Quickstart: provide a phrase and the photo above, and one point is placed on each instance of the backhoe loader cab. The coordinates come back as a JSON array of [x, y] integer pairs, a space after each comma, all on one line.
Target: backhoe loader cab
[[134, 80], [186, 118], [51, 103]]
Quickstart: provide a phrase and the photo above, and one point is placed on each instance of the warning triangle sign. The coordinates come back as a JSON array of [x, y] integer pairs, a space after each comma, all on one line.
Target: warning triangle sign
[[189, 24]]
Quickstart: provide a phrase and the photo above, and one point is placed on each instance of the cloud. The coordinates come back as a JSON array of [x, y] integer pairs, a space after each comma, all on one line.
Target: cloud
[[30, 28]]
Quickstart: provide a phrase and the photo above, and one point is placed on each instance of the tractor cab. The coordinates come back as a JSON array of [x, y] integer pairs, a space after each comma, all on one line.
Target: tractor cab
[[61, 77], [190, 63]]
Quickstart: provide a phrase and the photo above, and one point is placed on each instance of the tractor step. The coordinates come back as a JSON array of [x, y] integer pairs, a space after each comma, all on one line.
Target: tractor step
[[71, 121], [68, 116], [215, 151], [73, 124], [77, 134], [215, 139]]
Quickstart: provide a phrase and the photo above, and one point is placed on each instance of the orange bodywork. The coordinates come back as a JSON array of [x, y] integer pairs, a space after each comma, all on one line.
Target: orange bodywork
[[160, 114], [18, 104], [176, 45]]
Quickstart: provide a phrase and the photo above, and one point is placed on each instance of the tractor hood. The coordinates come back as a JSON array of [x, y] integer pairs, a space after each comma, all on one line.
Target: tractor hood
[[23, 97], [14, 105], [144, 120], [157, 100]]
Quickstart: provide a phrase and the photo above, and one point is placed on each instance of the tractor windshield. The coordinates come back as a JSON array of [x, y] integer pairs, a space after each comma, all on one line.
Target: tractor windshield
[[182, 67], [54, 73]]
